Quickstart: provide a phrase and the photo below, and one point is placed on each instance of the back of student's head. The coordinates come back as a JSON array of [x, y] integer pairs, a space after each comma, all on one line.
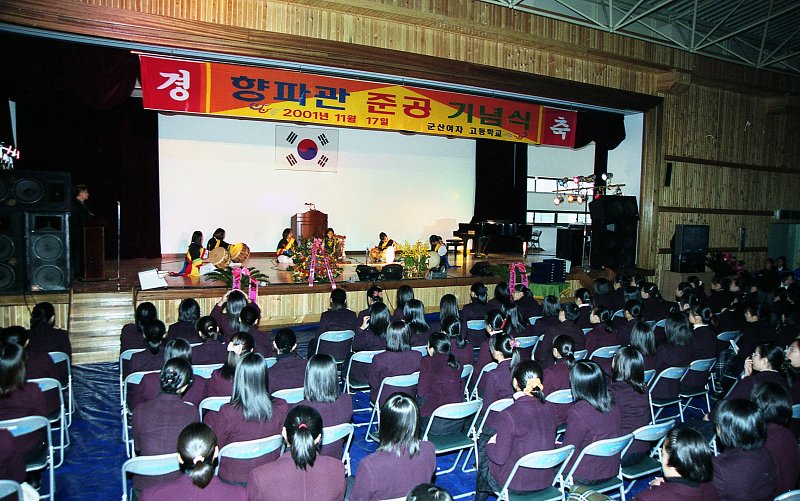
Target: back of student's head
[[440, 343], [601, 287], [240, 344], [285, 340], [505, 345], [572, 312], [479, 293], [588, 383], [321, 383], [642, 338], [251, 388], [773, 401], [448, 306], [15, 334], [774, 354], [501, 293], [451, 327], [43, 314], [740, 424], [398, 336], [428, 492], [233, 307], [651, 290], [338, 299], [678, 330], [404, 294], [495, 321], [249, 317], [375, 294], [565, 346], [188, 311], [604, 316], [414, 315], [634, 308], [689, 453], [628, 366], [704, 314], [208, 329], [583, 295], [144, 313], [399, 425], [529, 377], [379, 319], [513, 316], [175, 374], [550, 306], [154, 332], [197, 448], [303, 427], [12, 368], [178, 348]]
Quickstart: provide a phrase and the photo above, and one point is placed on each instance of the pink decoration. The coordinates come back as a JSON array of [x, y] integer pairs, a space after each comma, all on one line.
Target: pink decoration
[[237, 281], [317, 247], [512, 275]]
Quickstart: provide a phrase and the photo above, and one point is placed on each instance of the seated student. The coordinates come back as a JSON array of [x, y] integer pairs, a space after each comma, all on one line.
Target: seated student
[[217, 240], [520, 326], [398, 359], [285, 248], [220, 384], [632, 314], [557, 375], [185, 327], [374, 295], [195, 255], [654, 307], [643, 340], [370, 336], [152, 358], [502, 296], [337, 318], [321, 392], [384, 251], [428, 492], [212, 350], [567, 318], [677, 352], [527, 304], [251, 414], [476, 309], [775, 405], [459, 346], [301, 472], [602, 333], [630, 394], [249, 318], [227, 312], [583, 298], [744, 469], [410, 461], [496, 384], [528, 425], [414, 316], [551, 307], [792, 368], [150, 386], [404, 294], [132, 335], [759, 328], [592, 417], [495, 324], [721, 296], [766, 364], [12, 462], [686, 464], [601, 293], [438, 246], [43, 334], [439, 384], [448, 307], [704, 339], [38, 364], [198, 454], [290, 369]]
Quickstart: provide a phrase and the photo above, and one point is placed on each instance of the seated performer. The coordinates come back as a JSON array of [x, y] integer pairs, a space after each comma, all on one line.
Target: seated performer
[[439, 247], [286, 247], [330, 241], [218, 240], [194, 257], [381, 251]]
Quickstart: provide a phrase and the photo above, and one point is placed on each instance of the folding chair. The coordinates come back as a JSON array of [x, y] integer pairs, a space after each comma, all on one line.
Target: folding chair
[[528, 342], [365, 357], [204, 371], [476, 333], [331, 434], [586, 330], [661, 323], [532, 320], [291, 395], [674, 373], [30, 424], [251, 449], [336, 337], [466, 375], [401, 381], [648, 376], [423, 350], [9, 487], [57, 420], [541, 460], [651, 464], [731, 337], [496, 406], [150, 466], [210, 404], [562, 397], [604, 352], [580, 354], [604, 448], [789, 496], [486, 368], [454, 441], [619, 313], [703, 369], [59, 357], [796, 411], [131, 379], [125, 356]]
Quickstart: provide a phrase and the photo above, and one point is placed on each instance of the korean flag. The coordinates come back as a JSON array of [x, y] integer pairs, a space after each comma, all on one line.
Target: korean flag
[[306, 148]]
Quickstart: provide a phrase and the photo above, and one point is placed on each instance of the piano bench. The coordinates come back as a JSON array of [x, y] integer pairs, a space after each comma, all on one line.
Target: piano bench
[[455, 244]]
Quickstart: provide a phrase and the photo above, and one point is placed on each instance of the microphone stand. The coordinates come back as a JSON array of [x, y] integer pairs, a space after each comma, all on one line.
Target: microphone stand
[[117, 278]]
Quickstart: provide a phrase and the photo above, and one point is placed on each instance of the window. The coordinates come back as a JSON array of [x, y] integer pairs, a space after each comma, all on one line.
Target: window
[[542, 210]]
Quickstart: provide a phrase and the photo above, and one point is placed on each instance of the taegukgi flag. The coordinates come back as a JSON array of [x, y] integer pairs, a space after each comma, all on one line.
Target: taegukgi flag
[[306, 148]]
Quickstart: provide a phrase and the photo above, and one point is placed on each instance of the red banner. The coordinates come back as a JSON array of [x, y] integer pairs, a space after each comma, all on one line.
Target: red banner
[[292, 96]]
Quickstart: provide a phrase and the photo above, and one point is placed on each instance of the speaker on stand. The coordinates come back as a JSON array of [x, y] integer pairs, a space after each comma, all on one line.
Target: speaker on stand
[[615, 221], [48, 256]]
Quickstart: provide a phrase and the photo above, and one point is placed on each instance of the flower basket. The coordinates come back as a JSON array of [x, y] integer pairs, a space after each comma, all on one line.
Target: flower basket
[[312, 264], [414, 258]]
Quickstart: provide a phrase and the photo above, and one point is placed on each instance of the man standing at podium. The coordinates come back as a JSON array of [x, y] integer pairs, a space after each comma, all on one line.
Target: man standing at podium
[[79, 218]]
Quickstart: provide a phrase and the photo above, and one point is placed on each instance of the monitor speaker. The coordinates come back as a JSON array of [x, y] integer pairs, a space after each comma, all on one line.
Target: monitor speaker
[[35, 190], [392, 272], [12, 252], [47, 255], [691, 239], [481, 269], [366, 273]]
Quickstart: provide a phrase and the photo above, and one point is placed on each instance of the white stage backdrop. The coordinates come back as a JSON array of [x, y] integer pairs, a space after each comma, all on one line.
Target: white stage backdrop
[[219, 172]]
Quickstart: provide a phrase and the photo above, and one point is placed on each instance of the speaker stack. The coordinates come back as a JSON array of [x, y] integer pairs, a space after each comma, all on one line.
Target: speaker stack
[[34, 231], [615, 221], [690, 248]]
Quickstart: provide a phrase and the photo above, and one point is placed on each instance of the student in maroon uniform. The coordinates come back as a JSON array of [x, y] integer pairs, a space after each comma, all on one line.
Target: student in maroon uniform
[[602, 333], [150, 386], [550, 310], [374, 295], [404, 293], [766, 364], [520, 326], [439, 384], [557, 374], [476, 309], [528, 306], [686, 463], [290, 369], [211, 350], [414, 316], [152, 358], [337, 318], [398, 359], [760, 327], [12, 462], [601, 293], [370, 336], [220, 384], [321, 392], [624, 325], [496, 384], [677, 352], [704, 338], [528, 425], [186, 326], [43, 334], [249, 318], [642, 339], [197, 455], [227, 310], [402, 461], [38, 364], [428, 492], [775, 405], [744, 469], [567, 325], [301, 472], [132, 335], [654, 308], [251, 414], [502, 296], [630, 394], [459, 346], [583, 298], [448, 307], [495, 324]]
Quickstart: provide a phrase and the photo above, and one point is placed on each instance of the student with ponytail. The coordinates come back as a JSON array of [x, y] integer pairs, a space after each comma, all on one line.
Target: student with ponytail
[[211, 350], [766, 364], [150, 386], [602, 333], [197, 457], [495, 324], [301, 472], [528, 425], [439, 384], [630, 394], [623, 326], [459, 346], [496, 384], [132, 335], [43, 334], [654, 308], [704, 338], [502, 296], [476, 309], [567, 325], [583, 298], [227, 310], [220, 384], [550, 310], [152, 357], [562, 350]]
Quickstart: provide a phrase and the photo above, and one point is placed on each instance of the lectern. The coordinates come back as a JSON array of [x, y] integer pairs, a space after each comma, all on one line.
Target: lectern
[[310, 224]]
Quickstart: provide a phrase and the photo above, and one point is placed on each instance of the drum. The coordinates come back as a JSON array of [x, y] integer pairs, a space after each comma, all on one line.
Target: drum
[[219, 257], [434, 259], [239, 252]]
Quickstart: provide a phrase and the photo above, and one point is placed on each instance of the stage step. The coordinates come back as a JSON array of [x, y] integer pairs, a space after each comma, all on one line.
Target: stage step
[[96, 320]]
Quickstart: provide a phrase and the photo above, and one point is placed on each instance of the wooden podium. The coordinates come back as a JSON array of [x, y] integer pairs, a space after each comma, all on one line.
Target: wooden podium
[[310, 224], [94, 254]]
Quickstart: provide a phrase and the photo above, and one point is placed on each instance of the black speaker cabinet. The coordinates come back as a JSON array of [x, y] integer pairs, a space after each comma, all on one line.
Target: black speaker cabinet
[[48, 260], [35, 190], [12, 252], [691, 239], [688, 263], [481, 269], [367, 273], [614, 231], [392, 272], [569, 245]]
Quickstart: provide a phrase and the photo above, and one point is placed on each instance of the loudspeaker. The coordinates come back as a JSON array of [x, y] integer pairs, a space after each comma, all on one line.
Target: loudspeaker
[[35, 190], [392, 272], [12, 252], [47, 256], [688, 263], [614, 231], [366, 273], [569, 245], [481, 269], [691, 239]]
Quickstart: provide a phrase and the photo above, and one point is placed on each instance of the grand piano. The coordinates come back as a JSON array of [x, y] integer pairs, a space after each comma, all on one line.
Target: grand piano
[[483, 231]]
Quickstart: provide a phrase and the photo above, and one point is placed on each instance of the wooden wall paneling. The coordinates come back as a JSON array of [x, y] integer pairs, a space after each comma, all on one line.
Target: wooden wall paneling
[[651, 185]]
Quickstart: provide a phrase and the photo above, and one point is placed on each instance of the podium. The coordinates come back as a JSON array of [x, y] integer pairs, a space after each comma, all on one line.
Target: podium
[[310, 224]]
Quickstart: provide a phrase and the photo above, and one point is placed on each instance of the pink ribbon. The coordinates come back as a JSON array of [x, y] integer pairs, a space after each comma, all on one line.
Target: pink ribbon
[[512, 275], [317, 247], [237, 281]]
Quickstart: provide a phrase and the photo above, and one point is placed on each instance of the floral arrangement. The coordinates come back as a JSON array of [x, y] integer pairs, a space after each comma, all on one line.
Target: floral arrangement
[[724, 264], [313, 265], [414, 257], [231, 276]]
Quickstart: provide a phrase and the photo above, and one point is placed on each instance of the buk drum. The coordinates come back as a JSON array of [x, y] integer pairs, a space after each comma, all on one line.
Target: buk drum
[[239, 252], [219, 257]]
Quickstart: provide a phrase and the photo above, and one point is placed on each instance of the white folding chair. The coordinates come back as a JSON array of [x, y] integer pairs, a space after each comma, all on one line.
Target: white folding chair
[[57, 420], [401, 381], [150, 466], [532, 320], [586, 330], [125, 356], [251, 449], [423, 350], [204, 371], [704, 368], [648, 376], [476, 325], [496, 406], [336, 337], [466, 375], [789, 496], [486, 368], [670, 373], [543, 460], [650, 464], [561, 397], [212, 404], [580, 354], [331, 434], [604, 352], [619, 313], [456, 441], [796, 411], [31, 424], [476, 330], [291, 395], [661, 323], [130, 380], [364, 357], [604, 448], [59, 357], [9, 487], [528, 342]]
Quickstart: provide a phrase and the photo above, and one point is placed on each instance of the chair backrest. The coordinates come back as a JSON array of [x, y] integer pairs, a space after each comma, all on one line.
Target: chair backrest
[[728, 335], [364, 357], [212, 404], [660, 323], [331, 434], [24, 425], [127, 354], [47, 384], [204, 371], [586, 330], [486, 368], [9, 487], [403, 380], [496, 406], [291, 395], [619, 313], [532, 320], [653, 432], [560, 397], [133, 378], [336, 336], [58, 357], [148, 466], [422, 349], [541, 460], [648, 376], [789, 496], [271, 361], [476, 325], [796, 411], [602, 448], [252, 448], [466, 373], [580, 354], [703, 365], [528, 341], [605, 352], [458, 410], [669, 373]]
